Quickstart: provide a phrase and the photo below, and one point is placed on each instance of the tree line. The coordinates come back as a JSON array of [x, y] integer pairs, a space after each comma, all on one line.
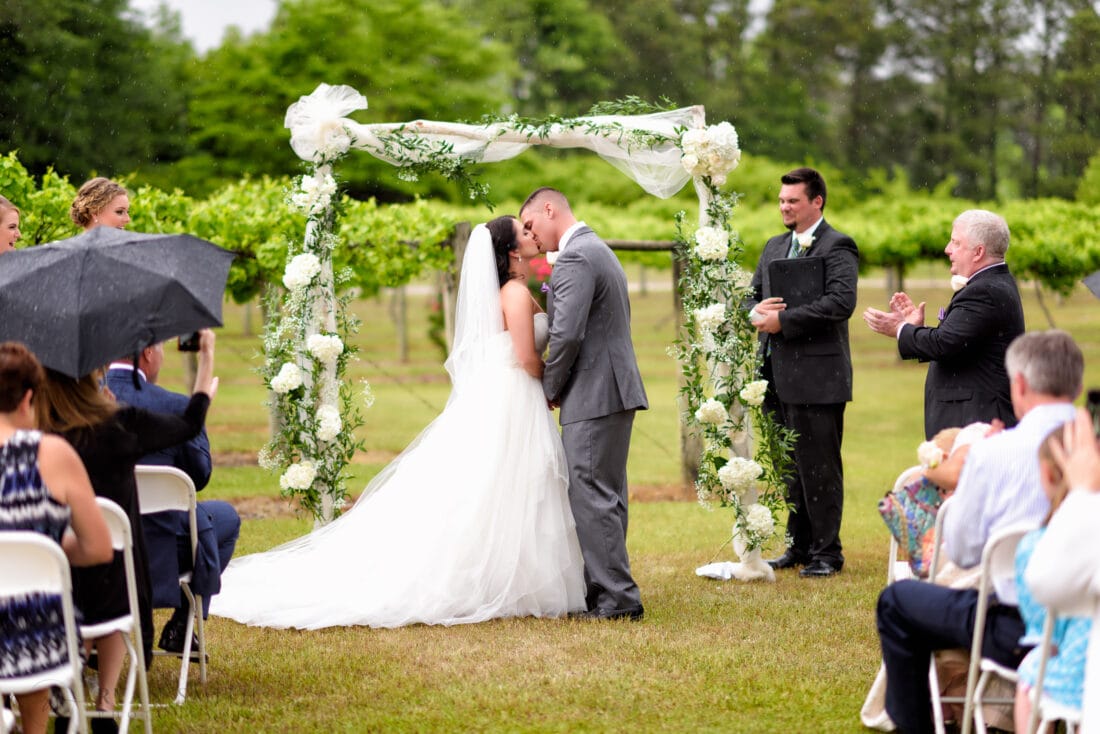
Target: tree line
[[992, 99]]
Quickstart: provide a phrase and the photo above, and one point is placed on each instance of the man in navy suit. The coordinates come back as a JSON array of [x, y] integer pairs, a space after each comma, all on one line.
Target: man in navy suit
[[167, 534], [966, 380], [808, 366]]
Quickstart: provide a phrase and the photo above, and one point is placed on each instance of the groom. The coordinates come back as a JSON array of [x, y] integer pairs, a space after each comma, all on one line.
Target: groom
[[592, 374]]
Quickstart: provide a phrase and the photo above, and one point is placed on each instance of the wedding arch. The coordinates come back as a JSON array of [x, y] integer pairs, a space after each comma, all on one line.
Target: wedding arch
[[306, 342]]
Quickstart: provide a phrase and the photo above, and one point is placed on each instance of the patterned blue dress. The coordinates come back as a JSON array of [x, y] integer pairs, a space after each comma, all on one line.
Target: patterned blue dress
[[32, 631], [1064, 680]]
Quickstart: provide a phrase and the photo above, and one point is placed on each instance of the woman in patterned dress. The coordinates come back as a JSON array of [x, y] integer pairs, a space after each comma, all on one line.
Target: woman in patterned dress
[[44, 488]]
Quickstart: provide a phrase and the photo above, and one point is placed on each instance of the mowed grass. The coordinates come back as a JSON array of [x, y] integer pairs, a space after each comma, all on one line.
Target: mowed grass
[[793, 656]]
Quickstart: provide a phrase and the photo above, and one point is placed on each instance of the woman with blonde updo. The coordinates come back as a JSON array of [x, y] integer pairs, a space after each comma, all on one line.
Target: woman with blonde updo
[[9, 225], [101, 201]]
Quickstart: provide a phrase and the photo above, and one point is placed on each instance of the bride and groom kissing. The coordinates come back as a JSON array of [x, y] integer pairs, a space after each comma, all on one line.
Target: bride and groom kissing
[[490, 512]]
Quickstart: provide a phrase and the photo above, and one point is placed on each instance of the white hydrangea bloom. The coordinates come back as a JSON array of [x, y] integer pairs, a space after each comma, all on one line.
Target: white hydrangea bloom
[[709, 318], [328, 423], [298, 476], [712, 151], [739, 474], [712, 412], [301, 271], [289, 378], [325, 348], [753, 393], [712, 243], [759, 521], [314, 193]]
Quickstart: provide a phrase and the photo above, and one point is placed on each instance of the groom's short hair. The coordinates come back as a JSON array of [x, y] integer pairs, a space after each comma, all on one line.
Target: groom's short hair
[[543, 193], [815, 184]]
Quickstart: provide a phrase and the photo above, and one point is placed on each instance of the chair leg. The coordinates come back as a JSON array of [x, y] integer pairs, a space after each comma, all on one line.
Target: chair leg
[[201, 625]]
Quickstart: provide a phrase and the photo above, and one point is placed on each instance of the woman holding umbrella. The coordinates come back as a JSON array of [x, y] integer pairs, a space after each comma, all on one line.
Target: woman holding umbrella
[[9, 226], [110, 440], [101, 201]]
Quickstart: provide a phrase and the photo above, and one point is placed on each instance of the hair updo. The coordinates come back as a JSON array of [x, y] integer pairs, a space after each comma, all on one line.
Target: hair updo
[[92, 198], [6, 206], [19, 372], [503, 232]]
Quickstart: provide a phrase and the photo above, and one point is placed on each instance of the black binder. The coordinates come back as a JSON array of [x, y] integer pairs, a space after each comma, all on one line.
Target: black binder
[[797, 280]]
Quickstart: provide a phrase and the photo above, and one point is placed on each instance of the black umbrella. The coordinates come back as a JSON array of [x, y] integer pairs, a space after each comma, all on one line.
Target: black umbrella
[[107, 293]]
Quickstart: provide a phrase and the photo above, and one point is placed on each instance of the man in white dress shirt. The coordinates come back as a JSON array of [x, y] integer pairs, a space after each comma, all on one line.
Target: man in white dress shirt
[[999, 487]]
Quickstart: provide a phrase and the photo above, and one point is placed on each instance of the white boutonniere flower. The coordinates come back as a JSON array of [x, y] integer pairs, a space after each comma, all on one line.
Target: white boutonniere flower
[[805, 240]]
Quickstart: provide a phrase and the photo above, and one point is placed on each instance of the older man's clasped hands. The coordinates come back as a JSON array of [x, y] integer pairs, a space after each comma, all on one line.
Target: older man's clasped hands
[[902, 310]]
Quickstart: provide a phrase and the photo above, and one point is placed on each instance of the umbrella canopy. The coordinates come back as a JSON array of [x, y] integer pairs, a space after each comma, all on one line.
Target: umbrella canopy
[[107, 293]]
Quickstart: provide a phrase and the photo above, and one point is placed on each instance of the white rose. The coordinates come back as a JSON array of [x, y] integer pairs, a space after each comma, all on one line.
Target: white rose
[[753, 393], [328, 423], [709, 318], [712, 412], [690, 163], [314, 193], [325, 348], [301, 271], [712, 243], [929, 454], [289, 378], [298, 476]]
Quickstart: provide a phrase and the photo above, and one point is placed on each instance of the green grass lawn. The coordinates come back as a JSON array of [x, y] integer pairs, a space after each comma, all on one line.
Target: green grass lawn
[[793, 656]]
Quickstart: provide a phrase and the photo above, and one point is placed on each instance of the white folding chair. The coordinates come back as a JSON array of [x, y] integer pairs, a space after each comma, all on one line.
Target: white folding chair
[[998, 562], [128, 625], [933, 676], [163, 488], [1044, 711], [32, 563]]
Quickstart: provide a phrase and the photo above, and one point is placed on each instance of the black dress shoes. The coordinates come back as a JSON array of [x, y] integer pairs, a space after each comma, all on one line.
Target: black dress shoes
[[634, 614], [790, 559], [171, 639], [819, 569]]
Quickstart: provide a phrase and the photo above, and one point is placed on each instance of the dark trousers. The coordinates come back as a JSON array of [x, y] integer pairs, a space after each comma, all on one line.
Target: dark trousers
[[815, 487], [914, 619], [596, 452]]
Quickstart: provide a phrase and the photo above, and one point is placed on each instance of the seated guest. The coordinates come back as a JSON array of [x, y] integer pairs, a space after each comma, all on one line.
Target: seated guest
[[44, 488], [110, 441], [1063, 680], [218, 523], [1064, 572], [999, 486]]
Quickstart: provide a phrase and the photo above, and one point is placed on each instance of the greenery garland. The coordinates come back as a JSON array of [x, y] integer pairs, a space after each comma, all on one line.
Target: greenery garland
[[720, 361]]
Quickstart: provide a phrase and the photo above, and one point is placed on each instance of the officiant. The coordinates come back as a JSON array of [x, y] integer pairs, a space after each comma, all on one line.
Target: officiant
[[804, 292]]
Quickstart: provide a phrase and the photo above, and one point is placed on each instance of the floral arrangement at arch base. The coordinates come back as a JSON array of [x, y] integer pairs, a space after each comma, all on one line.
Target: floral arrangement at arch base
[[719, 359]]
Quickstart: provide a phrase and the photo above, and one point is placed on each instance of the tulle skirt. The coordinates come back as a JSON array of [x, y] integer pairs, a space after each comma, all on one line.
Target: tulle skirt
[[471, 522]]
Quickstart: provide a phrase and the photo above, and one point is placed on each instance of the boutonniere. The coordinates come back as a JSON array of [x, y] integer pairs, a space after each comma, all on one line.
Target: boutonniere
[[805, 241], [943, 314]]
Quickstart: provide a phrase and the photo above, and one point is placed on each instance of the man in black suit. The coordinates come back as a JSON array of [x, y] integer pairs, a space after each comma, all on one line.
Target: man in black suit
[[808, 366], [966, 380]]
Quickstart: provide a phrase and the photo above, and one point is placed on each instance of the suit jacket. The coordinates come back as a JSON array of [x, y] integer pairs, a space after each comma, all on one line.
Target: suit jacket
[[810, 357], [162, 528], [591, 369], [966, 379]]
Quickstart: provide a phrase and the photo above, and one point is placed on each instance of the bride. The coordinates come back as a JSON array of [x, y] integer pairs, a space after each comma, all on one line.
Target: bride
[[471, 521]]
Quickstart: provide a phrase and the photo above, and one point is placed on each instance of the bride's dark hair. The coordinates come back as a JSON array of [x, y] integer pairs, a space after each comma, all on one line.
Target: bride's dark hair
[[502, 230]]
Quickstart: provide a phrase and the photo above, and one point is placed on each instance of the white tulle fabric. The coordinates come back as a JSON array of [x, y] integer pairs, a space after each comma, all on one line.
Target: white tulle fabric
[[471, 522], [658, 170]]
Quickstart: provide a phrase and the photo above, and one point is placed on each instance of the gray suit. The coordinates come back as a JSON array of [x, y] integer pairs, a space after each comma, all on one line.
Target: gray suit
[[593, 373]]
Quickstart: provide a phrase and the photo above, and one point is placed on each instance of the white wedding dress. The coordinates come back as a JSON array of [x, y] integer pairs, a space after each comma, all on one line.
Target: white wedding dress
[[471, 522]]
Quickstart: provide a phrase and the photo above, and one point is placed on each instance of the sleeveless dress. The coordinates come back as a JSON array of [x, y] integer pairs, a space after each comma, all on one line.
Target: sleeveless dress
[[1064, 680], [32, 628], [471, 522]]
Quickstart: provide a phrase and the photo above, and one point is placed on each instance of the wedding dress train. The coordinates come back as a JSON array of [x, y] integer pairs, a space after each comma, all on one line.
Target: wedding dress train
[[469, 523]]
